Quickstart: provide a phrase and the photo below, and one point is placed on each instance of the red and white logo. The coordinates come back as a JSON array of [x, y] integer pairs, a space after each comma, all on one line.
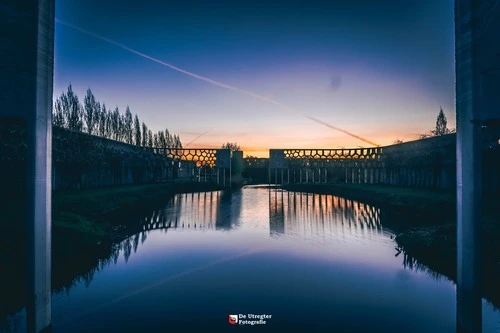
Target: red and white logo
[[233, 319]]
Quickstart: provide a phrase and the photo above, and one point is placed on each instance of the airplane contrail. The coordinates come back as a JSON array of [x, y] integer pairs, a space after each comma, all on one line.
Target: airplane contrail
[[216, 83], [199, 136]]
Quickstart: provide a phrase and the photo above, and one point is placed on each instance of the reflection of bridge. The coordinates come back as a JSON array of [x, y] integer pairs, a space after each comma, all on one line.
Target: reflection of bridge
[[310, 214]]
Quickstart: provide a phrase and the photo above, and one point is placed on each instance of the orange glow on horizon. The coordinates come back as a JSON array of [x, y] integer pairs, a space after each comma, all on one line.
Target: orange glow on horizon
[[258, 150]]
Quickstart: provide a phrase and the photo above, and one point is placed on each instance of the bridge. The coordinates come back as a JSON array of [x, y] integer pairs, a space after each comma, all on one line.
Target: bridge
[[28, 68]]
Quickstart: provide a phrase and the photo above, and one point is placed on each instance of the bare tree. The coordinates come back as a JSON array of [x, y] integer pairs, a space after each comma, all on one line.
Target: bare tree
[[68, 112], [102, 120], [145, 135], [128, 121], [397, 141], [72, 110], [231, 145], [91, 111], [115, 123], [137, 131], [150, 138], [58, 114]]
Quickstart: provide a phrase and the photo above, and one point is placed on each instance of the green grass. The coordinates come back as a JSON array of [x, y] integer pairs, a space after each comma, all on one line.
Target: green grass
[[92, 213]]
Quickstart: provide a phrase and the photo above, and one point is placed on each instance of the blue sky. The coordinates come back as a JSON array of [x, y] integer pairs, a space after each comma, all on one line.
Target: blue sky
[[379, 69]]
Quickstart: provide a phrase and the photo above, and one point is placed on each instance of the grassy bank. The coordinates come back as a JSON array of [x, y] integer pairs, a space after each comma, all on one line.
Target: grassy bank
[[92, 213]]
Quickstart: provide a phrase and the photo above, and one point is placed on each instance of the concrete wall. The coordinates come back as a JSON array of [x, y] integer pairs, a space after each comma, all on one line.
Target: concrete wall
[[431, 163], [80, 160], [427, 163]]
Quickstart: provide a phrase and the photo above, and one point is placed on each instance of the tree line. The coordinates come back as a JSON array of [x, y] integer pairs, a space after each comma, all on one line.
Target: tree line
[[96, 119]]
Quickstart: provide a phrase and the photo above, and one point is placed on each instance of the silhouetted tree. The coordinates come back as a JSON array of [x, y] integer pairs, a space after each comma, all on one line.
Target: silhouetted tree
[[150, 138], [441, 124], [109, 124], [178, 143], [156, 143], [397, 141], [69, 113], [144, 135], [231, 145], [424, 135], [72, 110], [440, 129], [115, 123], [169, 139], [58, 114], [128, 133], [161, 140], [102, 121], [137, 131], [91, 111]]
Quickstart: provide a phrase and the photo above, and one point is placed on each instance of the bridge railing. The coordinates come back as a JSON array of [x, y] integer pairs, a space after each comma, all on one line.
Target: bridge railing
[[323, 165], [197, 164]]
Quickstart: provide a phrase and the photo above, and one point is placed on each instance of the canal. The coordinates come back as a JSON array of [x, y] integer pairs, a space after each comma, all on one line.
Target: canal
[[307, 262]]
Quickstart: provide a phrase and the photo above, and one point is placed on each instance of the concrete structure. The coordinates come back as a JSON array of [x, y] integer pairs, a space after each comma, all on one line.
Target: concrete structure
[[477, 50], [26, 64], [82, 161], [428, 163]]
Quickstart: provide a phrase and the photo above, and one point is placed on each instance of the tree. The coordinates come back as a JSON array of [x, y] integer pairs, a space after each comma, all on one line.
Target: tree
[[109, 124], [397, 141], [231, 145], [176, 142], [137, 131], [441, 124], [127, 126], [161, 140], [91, 112], [150, 138], [69, 113], [145, 135], [155, 140], [58, 114], [115, 124], [102, 120], [72, 110], [169, 139]]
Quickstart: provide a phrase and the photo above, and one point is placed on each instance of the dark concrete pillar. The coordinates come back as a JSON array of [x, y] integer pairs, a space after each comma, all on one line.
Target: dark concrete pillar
[[468, 26], [26, 64]]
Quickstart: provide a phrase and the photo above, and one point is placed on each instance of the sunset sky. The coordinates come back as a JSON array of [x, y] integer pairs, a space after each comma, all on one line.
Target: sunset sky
[[379, 69]]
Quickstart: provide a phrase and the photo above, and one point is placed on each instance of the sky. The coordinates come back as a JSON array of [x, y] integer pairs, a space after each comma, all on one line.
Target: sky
[[287, 74]]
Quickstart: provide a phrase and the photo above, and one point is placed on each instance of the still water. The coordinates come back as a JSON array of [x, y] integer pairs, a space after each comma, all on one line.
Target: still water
[[313, 263]]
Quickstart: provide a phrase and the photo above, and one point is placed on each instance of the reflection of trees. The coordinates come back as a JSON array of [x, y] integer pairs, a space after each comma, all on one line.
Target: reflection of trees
[[413, 264], [228, 210], [310, 214], [186, 211]]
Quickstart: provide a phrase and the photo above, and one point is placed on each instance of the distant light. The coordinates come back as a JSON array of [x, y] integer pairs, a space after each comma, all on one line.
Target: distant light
[[499, 141]]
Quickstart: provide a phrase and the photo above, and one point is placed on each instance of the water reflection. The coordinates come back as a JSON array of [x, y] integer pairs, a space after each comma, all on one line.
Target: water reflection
[[309, 215], [179, 254], [203, 210]]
